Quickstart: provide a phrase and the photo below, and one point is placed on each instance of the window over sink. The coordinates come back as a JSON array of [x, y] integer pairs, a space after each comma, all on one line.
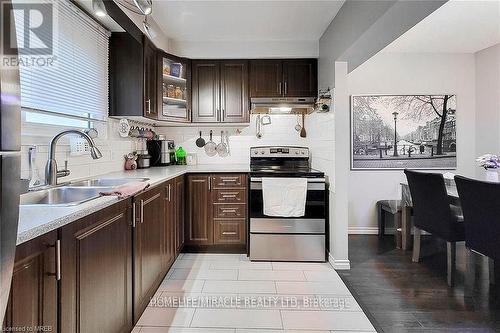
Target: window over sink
[[72, 90]]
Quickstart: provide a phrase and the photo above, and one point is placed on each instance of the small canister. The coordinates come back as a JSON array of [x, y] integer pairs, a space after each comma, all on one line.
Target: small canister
[[178, 93], [171, 91], [143, 159]]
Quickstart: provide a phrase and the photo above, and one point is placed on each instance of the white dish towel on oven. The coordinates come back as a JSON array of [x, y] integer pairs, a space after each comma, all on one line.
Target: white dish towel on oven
[[285, 197]]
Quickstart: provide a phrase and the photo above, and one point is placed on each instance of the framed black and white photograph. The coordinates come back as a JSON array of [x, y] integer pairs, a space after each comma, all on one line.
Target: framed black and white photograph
[[403, 131]]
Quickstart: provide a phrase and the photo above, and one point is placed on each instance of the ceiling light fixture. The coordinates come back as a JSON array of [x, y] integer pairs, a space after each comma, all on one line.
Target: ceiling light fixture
[[145, 6], [147, 28], [141, 7], [98, 8]]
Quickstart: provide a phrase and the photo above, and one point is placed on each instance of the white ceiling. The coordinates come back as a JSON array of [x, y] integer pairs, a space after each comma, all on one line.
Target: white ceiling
[[244, 20], [459, 26]]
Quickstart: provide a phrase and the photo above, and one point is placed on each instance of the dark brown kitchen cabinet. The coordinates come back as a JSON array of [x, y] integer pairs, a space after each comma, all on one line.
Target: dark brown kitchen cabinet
[[216, 210], [300, 78], [132, 76], [150, 79], [96, 272], [266, 78], [180, 210], [220, 91], [199, 224], [33, 296], [169, 227], [234, 103], [174, 88], [229, 204], [149, 246], [284, 78], [205, 91]]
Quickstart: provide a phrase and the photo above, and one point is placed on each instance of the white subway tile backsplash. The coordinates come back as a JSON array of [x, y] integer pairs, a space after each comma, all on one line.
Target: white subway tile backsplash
[[111, 145], [281, 131]]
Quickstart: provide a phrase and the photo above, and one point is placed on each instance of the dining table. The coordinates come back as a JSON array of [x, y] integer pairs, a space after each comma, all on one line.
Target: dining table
[[451, 188]]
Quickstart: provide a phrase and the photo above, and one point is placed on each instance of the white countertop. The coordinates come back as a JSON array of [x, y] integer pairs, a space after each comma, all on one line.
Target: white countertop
[[35, 221]]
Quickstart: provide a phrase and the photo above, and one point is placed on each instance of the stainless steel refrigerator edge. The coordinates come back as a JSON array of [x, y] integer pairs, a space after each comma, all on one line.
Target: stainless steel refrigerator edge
[[10, 168]]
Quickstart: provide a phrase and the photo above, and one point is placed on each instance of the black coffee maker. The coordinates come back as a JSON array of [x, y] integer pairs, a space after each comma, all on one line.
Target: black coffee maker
[[162, 151]]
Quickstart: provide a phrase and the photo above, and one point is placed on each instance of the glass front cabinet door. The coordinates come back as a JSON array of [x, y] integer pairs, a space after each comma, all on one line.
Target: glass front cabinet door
[[175, 96]]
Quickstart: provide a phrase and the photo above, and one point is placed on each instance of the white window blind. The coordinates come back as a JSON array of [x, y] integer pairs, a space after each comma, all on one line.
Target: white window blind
[[77, 83]]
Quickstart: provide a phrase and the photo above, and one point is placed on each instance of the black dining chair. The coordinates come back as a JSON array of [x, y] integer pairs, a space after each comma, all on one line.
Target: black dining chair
[[481, 206], [433, 213]]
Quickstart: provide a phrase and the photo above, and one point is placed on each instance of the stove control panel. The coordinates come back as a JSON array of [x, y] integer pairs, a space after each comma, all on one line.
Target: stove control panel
[[279, 152]]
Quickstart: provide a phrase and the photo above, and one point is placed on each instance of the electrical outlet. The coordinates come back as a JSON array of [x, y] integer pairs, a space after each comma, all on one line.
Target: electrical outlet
[[79, 146]]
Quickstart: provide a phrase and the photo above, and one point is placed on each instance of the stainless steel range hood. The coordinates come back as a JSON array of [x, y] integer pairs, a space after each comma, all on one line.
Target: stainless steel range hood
[[282, 105]]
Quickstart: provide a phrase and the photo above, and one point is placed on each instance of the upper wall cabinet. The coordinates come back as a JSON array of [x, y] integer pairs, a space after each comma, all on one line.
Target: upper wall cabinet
[[266, 78], [133, 76], [284, 78], [174, 84], [220, 91]]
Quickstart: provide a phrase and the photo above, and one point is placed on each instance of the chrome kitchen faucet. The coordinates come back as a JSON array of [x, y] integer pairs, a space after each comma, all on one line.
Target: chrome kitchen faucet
[[51, 172]]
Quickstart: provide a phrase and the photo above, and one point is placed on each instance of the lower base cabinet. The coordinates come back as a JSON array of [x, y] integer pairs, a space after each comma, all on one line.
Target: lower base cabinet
[[33, 295], [96, 272], [157, 215], [180, 212], [216, 211], [149, 246]]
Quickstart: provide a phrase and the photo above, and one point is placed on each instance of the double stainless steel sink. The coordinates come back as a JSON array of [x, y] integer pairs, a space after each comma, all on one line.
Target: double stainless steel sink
[[75, 193]]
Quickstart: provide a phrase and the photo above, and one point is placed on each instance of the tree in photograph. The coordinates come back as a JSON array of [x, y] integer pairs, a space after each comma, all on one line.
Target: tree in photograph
[[424, 106]]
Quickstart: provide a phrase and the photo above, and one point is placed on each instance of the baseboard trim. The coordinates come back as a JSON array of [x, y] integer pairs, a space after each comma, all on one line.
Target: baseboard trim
[[340, 264], [368, 231]]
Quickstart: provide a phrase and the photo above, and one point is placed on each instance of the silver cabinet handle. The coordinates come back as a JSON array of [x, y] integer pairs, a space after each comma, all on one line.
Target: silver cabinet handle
[[142, 211], [229, 195], [229, 210], [209, 183], [58, 260], [148, 108], [233, 179], [169, 192], [133, 215], [286, 90], [229, 232], [279, 88]]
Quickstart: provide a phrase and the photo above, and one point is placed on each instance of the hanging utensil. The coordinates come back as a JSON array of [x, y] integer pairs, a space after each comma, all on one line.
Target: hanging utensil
[[211, 147], [257, 127], [266, 120], [303, 130], [222, 147], [200, 142], [227, 141], [298, 127]]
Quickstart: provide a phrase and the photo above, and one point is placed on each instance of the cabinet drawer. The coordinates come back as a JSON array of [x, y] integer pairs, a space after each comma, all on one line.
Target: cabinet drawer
[[229, 232], [229, 211], [229, 180], [230, 196]]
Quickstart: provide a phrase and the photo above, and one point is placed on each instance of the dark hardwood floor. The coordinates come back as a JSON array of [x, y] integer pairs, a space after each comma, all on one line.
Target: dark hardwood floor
[[401, 296]]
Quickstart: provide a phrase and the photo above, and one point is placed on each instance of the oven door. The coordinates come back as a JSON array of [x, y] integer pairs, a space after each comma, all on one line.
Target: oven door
[[315, 199]]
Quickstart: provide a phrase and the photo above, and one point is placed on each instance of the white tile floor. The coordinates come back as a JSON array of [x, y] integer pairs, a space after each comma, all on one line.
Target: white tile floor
[[251, 297]]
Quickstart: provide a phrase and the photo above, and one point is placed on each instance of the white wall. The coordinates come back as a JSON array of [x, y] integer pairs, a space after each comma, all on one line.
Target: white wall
[[487, 64], [405, 73]]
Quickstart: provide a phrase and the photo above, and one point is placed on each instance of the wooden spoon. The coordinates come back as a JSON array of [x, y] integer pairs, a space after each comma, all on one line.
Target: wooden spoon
[[303, 133]]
